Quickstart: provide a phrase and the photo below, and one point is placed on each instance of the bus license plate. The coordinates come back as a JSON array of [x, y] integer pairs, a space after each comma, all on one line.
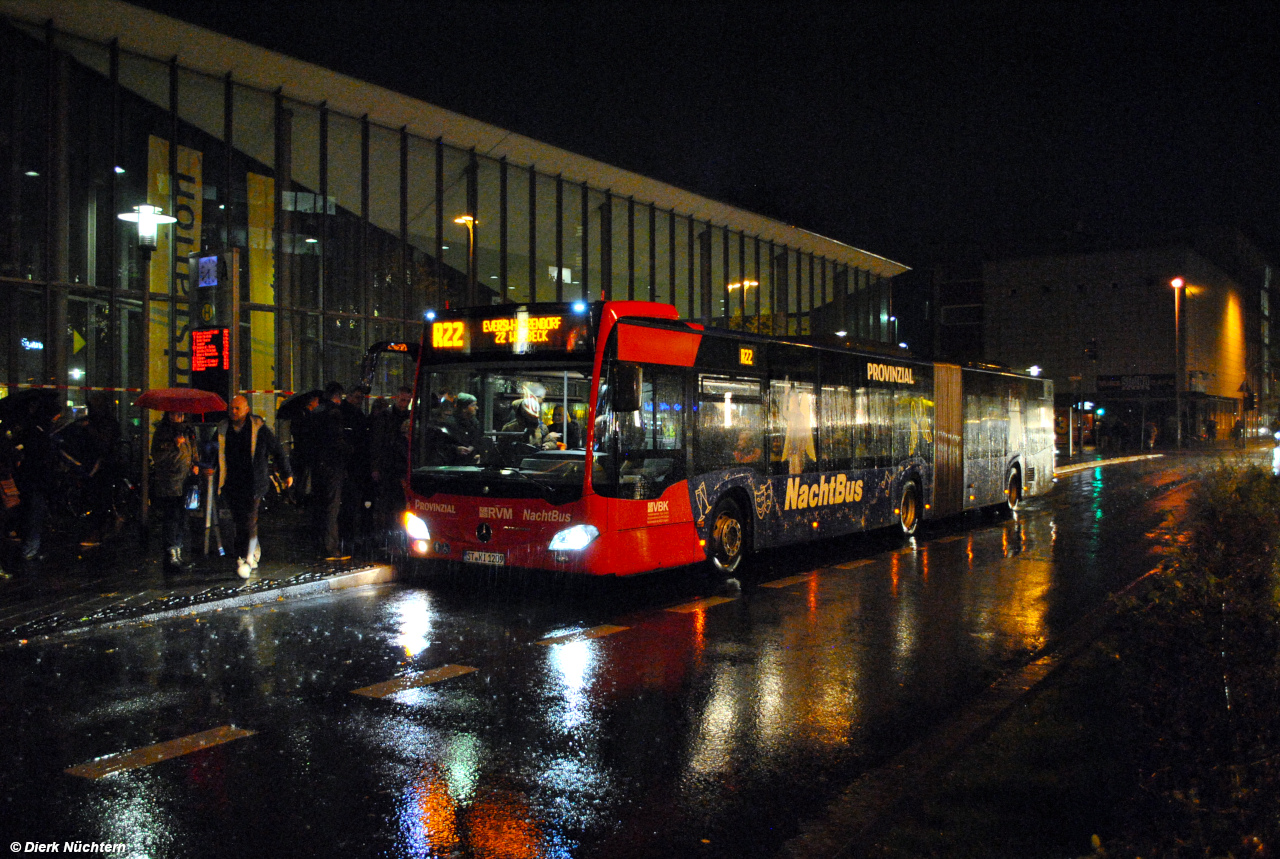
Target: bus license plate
[[496, 559]]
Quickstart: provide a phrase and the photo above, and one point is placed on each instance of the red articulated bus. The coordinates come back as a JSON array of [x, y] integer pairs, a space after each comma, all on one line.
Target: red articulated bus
[[612, 438]]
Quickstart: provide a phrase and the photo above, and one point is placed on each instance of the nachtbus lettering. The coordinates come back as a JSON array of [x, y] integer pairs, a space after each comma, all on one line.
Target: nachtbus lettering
[[545, 516], [840, 489], [433, 507], [890, 373], [497, 513]]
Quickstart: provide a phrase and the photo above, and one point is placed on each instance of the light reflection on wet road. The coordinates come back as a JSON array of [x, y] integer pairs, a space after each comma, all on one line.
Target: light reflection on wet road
[[593, 724]]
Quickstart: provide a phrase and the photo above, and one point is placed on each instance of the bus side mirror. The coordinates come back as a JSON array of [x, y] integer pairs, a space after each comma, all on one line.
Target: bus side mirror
[[625, 390]]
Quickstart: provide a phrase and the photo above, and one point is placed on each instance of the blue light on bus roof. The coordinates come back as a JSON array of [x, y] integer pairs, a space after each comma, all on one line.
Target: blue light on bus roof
[[429, 315], [579, 307]]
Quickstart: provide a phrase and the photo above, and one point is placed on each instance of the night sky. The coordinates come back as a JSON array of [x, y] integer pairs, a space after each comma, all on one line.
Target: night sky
[[909, 130]]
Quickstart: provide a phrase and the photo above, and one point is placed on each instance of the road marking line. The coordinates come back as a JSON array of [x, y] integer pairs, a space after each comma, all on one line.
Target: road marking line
[[131, 760], [950, 539], [424, 678], [699, 605], [852, 564], [593, 632], [787, 582]]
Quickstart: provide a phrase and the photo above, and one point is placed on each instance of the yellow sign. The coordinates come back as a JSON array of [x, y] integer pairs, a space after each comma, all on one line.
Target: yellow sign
[[746, 357]]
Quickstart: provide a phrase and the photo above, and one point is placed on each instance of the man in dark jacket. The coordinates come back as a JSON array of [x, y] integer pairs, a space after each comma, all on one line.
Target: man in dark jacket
[[244, 444], [174, 459], [37, 462], [332, 450]]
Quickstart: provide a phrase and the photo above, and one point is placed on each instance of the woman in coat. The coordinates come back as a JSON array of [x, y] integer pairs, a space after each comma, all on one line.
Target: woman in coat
[[173, 460]]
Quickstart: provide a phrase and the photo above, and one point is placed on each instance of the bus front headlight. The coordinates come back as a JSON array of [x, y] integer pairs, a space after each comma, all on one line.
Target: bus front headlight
[[415, 527], [574, 539]]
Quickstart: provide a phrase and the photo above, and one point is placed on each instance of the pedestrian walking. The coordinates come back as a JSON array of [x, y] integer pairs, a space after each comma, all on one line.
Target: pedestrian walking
[[92, 441], [330, 454], [34, 472], [174, 461], [245, 443]]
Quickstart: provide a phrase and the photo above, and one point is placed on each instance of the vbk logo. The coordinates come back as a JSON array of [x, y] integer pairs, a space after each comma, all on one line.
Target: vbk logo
[[659, 507]]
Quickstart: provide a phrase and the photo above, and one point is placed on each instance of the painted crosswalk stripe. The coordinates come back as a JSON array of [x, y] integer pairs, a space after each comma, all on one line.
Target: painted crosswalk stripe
[[135, 758], [582, 634], [850, 565], [699, 605], [412, 681], [787, 582]]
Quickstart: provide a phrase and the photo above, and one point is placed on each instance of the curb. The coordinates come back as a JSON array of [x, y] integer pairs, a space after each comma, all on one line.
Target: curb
[[255, 593]]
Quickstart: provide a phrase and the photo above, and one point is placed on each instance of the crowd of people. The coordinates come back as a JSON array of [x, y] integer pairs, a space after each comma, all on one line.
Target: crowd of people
[[346, 466]]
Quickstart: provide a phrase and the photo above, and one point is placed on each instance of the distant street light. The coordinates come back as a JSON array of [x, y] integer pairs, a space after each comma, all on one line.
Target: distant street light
[[470, 223]]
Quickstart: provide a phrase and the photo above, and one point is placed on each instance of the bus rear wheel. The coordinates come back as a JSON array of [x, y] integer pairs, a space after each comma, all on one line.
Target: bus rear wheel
[[909, 509], [1013, 490], [728, 536]]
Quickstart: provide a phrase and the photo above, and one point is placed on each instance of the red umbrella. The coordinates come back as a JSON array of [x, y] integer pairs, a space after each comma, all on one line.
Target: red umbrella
[[190, 400]]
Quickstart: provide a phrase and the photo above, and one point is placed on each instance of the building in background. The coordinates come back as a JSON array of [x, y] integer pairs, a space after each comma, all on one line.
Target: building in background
[[1101, 323], [346, 212]]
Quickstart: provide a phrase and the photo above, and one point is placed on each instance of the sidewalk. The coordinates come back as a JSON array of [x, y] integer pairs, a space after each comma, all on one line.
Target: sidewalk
[[73, 588]]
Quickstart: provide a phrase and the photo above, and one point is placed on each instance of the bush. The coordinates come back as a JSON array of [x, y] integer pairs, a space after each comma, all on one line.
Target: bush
[[1199, 653]]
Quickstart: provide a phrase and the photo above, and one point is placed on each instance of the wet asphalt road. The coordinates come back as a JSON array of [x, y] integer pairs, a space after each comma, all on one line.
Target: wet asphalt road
[[678, 716]]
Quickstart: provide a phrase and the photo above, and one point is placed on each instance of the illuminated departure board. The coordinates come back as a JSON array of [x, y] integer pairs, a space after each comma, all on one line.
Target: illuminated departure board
[[518, 334], [209, 349]]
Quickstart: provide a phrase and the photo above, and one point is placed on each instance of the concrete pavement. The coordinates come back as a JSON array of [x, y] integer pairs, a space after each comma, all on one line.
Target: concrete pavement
[[74, 587]]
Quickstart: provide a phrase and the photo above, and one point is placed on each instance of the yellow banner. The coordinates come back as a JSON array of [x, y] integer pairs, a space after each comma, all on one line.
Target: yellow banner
[[173, 243], [262, 276]]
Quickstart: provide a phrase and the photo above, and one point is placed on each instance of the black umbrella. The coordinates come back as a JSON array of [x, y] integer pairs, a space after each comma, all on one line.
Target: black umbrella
[[30, 402], [291, 408]]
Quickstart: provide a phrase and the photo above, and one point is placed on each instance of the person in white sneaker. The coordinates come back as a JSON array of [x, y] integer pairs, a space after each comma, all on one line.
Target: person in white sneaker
[[245, 443]]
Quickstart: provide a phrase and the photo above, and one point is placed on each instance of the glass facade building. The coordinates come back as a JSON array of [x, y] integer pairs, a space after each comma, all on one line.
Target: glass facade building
[[344, 204]]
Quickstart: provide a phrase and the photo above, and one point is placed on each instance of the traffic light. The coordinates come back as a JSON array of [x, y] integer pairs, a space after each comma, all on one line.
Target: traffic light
[[1249, 402], [1091, 349]]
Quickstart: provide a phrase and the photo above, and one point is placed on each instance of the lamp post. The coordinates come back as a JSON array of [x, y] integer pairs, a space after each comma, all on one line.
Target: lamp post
[[470, 222], [1178, 284], [148, 218]]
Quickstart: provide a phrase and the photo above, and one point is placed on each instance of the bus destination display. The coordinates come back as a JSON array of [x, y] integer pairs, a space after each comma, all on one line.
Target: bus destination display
[[519, 334]]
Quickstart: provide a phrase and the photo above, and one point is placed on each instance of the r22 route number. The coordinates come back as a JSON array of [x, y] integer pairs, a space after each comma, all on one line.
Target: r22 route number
[[448, 335]]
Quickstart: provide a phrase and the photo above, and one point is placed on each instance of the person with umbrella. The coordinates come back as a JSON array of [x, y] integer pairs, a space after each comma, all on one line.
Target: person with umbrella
[[174, 459], [245, 443]]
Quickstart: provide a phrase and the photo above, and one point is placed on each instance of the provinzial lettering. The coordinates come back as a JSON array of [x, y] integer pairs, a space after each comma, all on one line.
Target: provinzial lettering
[[890, 373]]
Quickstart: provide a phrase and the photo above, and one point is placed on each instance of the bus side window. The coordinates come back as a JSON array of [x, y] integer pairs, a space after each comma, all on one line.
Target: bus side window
[[640, 453]]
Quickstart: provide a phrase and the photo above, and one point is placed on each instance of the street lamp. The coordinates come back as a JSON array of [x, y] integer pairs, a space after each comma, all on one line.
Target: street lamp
[[471, 255], [148, 218], [1178, 284]]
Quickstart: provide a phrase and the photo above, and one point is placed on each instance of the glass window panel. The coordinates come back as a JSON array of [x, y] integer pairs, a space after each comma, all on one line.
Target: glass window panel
[[303, 208], [546, 241], [719, 280], [455, 235], [643, 252], [149, 79], [386, 288], [91, 176], [684, 264], [662, 256], [342, 255], [25, 167], [488, 231], [793, 420], [343, 348], [253, 126], [730, 424], [574, 232], [518, 234], [622, 251], [425, 292]]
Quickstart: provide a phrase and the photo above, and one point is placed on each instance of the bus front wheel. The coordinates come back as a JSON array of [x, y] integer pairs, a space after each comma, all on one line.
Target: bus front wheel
[[728, 536], [909, 509]]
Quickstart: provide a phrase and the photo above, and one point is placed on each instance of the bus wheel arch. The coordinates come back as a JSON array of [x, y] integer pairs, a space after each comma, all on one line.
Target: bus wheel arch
[[909, 507], [728, 533]]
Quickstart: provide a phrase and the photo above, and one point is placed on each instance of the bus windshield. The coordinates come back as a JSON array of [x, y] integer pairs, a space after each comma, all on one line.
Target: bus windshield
[[488, 429]]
